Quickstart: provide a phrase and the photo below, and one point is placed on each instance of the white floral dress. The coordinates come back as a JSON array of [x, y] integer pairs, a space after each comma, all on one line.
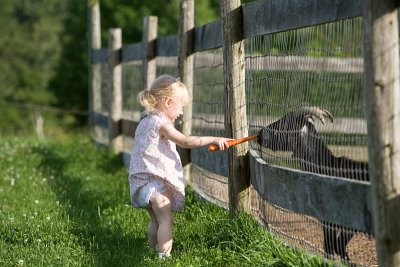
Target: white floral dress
[[155, 164]]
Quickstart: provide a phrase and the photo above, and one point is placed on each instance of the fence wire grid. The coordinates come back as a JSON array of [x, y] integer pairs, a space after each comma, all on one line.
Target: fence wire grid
[[209, 107], [299, 73]]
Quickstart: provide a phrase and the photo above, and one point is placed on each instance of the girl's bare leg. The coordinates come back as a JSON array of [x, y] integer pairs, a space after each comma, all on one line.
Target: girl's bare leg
[[152, 229], [162, 208]]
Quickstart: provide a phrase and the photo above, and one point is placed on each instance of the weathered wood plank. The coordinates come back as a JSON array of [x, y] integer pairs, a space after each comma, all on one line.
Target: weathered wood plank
[[99, 55], [100, 119], [288, 63], [131, 52], [382, 99], [235, 104], [304, 63], [208, 36], [270, 16], [124, 126], [128, 127], [340, 125], [115, 75], [149, 37], [167, 46], [216, 162], [212, 187], [186, 66], [340, 201], [94, 69]]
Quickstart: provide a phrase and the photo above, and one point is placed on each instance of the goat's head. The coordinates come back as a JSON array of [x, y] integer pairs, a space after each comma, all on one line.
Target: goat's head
[[285, 133]]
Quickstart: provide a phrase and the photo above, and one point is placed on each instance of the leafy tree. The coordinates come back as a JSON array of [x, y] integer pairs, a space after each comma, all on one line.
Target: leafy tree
[[43, 49], [29, 50]]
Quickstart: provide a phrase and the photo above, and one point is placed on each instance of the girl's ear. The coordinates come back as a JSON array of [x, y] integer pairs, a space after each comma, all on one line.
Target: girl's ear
[[168, 101]]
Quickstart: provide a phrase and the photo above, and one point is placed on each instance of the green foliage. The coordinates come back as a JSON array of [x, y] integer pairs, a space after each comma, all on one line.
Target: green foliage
[[29, 49], [66, 203], [70, 83], [43, 49]]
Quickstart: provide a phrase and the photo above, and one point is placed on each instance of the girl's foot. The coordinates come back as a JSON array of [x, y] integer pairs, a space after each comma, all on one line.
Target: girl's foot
[[164, 255]]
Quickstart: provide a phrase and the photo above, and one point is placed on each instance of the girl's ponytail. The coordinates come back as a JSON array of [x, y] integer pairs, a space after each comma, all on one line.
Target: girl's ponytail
[[147, 100]]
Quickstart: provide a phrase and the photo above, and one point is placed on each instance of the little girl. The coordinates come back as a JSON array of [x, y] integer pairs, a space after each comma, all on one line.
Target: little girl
[[155, 172]]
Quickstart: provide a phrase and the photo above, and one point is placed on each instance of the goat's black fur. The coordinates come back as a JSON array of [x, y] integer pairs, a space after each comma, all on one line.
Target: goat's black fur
[[296, 132]]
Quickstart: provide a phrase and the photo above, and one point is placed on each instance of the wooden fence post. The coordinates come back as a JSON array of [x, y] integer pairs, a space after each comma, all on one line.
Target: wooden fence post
[[185, 66], [115, 91], [149, 49], [382, 98], [94, 42], [235, 108]]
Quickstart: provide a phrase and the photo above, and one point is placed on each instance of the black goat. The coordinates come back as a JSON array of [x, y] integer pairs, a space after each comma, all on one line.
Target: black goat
[[296, 132]]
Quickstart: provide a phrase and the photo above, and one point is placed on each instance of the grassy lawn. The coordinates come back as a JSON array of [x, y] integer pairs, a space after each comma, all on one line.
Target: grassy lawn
[[66, 203]]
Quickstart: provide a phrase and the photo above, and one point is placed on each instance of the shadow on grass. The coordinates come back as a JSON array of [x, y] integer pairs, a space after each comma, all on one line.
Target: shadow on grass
[[106, 243]]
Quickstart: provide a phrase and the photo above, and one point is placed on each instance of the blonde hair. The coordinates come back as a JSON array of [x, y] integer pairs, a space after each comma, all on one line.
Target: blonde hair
[[163, 86]]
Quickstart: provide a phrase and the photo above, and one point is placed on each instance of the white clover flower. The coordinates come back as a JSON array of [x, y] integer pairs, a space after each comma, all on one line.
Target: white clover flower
[[21, 262], [36, 201]]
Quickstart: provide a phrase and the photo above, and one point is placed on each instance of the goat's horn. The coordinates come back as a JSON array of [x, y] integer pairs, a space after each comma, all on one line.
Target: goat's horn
[[318, 112]]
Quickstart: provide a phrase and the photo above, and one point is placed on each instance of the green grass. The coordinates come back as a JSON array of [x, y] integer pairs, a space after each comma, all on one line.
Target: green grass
[[66, 203]]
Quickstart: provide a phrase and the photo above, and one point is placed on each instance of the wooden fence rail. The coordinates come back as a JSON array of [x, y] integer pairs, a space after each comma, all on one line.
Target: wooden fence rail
[[350, 203]]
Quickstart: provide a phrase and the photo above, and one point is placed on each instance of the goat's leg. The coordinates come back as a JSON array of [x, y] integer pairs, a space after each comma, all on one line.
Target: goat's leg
[[341, 242], [329, 239]]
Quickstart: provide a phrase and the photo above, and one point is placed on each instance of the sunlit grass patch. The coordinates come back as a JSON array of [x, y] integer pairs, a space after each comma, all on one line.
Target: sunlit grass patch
[[66, 203]]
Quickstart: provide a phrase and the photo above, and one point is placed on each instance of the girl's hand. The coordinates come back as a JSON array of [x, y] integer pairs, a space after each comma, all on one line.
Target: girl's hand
[[222, 142], [169, 132]]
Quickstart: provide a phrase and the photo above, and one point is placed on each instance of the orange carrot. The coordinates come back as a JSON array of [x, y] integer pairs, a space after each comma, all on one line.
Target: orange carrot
[[214, 147]]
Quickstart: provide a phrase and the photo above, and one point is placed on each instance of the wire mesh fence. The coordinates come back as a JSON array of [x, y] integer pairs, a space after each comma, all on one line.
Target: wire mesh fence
[[100, 133], [105, 88], [208, 106], [132, 84], [167, 65], [319, 67]]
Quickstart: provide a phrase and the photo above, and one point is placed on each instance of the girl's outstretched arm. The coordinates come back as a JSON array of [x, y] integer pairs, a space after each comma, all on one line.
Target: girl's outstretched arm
[[168, 131]]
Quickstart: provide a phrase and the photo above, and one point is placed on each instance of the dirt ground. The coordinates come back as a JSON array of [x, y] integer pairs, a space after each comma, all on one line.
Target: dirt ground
[[306, 232]]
